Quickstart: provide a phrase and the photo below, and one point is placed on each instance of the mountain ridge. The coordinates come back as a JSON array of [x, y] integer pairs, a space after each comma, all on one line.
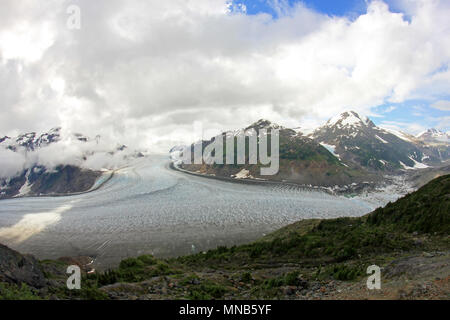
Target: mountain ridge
[[351, 149], [302, 160]]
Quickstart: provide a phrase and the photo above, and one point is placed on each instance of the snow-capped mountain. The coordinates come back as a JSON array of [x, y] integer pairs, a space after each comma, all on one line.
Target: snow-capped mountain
[[346, 145], [56, 163], [264, 124], [349, 120], [268, 126], [258, 125], [358, 141], [32, 141], [434, 136], [302, 160]]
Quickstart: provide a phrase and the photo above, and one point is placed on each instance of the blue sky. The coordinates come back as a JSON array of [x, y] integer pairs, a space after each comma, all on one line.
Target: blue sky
[[411, 115], [330, 7], [349, 8]]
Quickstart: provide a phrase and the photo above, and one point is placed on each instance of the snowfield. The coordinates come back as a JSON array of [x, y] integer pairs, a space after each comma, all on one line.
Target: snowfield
[[331, 149]]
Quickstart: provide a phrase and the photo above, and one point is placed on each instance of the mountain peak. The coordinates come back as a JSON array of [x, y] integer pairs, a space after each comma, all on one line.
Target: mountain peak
[[4, 139], [433, 134], [32, 140], [263, 124], [349, 119], [432, 131]]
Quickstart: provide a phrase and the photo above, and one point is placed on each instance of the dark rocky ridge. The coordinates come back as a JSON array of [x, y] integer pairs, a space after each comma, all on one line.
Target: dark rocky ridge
[[62, 180], [17, 268]]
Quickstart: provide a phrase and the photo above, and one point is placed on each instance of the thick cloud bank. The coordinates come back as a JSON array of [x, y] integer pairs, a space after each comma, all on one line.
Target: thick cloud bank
[[141, 72]]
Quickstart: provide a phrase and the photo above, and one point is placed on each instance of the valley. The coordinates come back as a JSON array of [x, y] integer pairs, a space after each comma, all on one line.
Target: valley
[[148, 208], [308, 260]]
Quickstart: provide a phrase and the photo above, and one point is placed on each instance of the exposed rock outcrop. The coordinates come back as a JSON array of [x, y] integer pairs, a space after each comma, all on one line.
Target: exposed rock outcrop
[[17, 268]]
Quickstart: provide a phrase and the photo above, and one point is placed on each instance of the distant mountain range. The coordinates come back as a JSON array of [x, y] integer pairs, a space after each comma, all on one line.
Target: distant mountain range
[[358, 141], [434, 136], [348, 149], [32, 141], [34, 178]]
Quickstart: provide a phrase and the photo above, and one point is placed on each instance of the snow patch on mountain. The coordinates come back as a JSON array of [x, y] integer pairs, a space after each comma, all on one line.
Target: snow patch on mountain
[[418, 165], [26, 187], [404, 166], [243, 174], [381, 139], [401, 135], [331, 149]]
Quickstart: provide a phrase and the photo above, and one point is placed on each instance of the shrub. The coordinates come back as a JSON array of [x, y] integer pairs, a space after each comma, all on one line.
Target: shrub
[[147, 259], [292, 279], [131, 263], [207, 291], [246, 277], [15, 292]]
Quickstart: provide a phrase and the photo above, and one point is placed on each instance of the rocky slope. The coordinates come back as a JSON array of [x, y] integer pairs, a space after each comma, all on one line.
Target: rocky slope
[[16, 268], [357, 140], [37, 181], [302, 161]]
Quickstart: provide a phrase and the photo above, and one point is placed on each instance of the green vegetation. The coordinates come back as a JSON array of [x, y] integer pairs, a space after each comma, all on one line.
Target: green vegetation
[[15, 292], [342, 272], [246, 277], [89, 291], [134, 270], [426, 210], [207, 291]]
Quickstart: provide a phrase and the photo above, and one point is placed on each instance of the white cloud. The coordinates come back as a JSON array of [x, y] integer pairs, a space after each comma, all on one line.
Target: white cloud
[[236, 7], [389, 109], [407, 127], [442, 105], [11, 163], [141, 72], [94, 154]]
